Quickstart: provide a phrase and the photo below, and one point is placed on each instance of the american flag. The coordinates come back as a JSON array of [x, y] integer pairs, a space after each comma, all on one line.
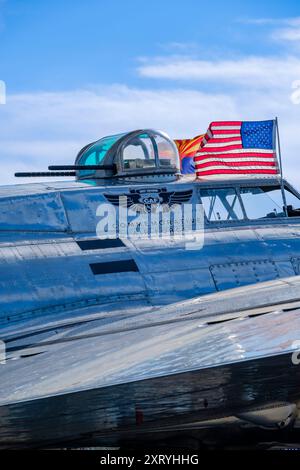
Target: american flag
[[238, 148]]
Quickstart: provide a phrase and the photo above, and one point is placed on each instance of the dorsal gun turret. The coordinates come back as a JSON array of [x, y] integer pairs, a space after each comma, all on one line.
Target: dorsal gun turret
[[142, 154]]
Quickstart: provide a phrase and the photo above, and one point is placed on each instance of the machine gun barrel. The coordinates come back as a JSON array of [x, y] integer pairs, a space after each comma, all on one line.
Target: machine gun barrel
[[81, 167], [37, 174]]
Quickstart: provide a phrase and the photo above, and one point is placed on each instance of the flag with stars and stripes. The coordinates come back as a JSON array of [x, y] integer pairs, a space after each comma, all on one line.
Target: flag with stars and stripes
[[238, 148]]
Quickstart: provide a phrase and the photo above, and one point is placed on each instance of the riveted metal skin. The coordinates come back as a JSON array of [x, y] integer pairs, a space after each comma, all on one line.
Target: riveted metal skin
[[95, 330], [42, 264]]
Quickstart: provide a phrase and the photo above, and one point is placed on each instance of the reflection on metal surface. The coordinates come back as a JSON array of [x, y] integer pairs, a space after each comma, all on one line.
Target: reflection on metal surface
[[108, 340]]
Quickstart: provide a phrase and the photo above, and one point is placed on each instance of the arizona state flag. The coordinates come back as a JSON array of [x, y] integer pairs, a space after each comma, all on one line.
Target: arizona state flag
[[187, 149]]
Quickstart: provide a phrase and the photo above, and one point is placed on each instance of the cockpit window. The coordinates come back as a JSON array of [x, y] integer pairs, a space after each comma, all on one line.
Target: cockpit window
[[293, 204], [267, 202], [94, 155], [139, 153], [262, 202], [167, 156], [221, 204], [149, 151]]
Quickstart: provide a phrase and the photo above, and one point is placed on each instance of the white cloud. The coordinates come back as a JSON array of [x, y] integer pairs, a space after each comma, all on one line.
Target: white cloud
[[289, 30], [252, 71], [179, 48], [287, 34], [50, 128], [291, 21], [39, 129], [286, 29]]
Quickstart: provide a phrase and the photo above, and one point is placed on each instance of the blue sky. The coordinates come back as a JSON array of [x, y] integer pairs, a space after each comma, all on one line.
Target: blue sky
[[62, 45], [77, 70]]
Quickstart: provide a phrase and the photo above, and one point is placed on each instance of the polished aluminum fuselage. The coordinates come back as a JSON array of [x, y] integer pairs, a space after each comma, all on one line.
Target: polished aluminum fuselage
[[93, 351], [43, 269]]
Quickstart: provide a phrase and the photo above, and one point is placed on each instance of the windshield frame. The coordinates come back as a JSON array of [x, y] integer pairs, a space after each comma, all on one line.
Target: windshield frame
[[249, 184], [88, 172], [151, 133], [227, 206]]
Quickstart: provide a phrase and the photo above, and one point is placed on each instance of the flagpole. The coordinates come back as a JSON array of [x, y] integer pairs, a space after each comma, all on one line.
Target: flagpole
[[281, 171]]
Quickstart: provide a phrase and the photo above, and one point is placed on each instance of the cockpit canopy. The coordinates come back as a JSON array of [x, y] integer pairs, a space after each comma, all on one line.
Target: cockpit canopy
[[135, 154]]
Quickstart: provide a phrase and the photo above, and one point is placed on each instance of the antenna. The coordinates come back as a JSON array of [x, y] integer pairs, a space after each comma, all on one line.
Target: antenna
[[281, 171]]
